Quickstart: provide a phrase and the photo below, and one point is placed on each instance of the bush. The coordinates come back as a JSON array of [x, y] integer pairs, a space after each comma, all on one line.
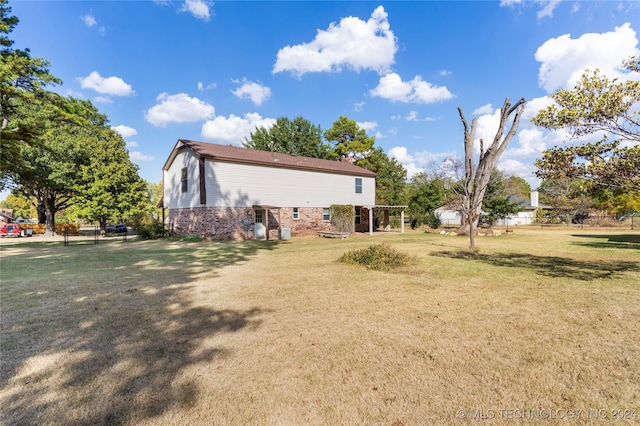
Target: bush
[[379, 257], [148, 228], [433, 220]]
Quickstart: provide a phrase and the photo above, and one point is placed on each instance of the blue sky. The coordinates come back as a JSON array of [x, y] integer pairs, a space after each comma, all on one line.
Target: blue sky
[[212, 71]]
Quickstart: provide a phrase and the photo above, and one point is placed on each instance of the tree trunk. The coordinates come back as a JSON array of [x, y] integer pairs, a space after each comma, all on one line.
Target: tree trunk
[[50, 213], [476, 178]]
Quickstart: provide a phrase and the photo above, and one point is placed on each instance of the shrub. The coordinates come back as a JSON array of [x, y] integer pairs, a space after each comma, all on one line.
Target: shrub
[[380, 257], [147, 227], [433, 220]]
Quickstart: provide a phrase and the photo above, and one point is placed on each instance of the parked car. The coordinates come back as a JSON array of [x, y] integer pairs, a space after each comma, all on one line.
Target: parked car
[[10, 230], [119, 228]]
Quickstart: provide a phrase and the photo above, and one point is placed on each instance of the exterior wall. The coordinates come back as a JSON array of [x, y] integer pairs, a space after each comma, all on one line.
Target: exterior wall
[[232, 189], [226, 223], [244, 185], [173, 195], [212, 223], [309, 222]]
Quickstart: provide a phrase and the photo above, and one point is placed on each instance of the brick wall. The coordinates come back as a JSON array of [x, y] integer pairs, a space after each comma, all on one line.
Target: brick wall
[[227, 223]]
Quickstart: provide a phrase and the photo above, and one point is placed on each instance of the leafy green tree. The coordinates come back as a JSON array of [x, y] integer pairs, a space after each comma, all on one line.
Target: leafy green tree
[[497, 203], [567, 197], [22, 81], [391, 179], [297, 137], [596, 104], [426, 194], [109, 187], [51, 162], [21, 206], [347, 139], [515, 185]]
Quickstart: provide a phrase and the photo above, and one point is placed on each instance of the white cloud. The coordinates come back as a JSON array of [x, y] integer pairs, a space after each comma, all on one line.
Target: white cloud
[[109, 86], [125, 131], [358, 106], [484, 109], [393, 88], [254, 91], [413, 116], [180, 108], [353, 44], [564, 59], [367, 125], [418, 162], [89, 20], [138, 156], [132, 144], [202, 87], [103, 100], [234, 129], [198, 8], [445, 73], [548, 7]]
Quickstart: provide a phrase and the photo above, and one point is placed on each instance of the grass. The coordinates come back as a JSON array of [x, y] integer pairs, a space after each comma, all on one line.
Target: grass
[[283, 333]]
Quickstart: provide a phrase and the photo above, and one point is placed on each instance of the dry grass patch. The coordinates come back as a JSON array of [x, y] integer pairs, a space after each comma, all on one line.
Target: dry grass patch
[[282, 333]]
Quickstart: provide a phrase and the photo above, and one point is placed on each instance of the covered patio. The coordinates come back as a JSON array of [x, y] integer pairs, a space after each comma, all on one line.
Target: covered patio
[[386, 221]]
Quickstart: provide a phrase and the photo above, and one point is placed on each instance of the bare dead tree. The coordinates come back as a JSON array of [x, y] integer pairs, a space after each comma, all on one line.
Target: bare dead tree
[[476, 177]]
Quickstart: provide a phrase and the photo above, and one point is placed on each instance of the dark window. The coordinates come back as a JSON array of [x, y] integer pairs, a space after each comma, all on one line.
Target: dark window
[[326, 213], [184, 180], [358, 185], [296, 213], [259, 218], [358, 215]]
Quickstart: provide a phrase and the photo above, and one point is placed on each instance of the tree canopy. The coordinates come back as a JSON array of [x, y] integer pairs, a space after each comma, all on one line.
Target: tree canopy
[[347, 139], [597, 104], [297, 137], [22, 81]]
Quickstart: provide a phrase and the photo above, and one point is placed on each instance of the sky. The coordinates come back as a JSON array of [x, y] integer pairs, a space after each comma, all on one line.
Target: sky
[[213, 71]]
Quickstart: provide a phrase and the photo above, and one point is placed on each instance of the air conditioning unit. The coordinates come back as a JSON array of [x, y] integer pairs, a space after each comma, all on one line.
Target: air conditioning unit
[[285, 233]]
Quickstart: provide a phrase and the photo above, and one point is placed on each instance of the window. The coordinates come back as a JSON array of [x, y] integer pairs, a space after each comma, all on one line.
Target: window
[[296, 213], [358, 185], [326, 213], [358, 215], [258, 217], [184, 180]]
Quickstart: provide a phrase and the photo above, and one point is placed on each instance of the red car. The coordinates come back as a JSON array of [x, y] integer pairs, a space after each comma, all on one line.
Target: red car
[[10, 230]]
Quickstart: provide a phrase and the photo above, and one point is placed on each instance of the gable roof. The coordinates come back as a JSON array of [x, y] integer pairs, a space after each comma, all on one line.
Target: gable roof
[[234, 154]]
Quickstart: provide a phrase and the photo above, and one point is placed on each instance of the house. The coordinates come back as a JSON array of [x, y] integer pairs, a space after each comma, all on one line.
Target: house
[[526, 216], [6, 216], [225, 192]]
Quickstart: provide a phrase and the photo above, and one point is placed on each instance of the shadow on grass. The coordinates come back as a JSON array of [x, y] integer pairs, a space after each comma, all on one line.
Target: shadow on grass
[[623, 241], [105, 334], [548, 266]]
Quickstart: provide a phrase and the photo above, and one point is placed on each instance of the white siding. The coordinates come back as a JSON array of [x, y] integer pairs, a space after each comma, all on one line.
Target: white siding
[[173, 195], [244, 185]]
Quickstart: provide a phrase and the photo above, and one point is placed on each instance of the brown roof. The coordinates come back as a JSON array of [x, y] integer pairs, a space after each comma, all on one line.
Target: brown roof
[[266, 158]]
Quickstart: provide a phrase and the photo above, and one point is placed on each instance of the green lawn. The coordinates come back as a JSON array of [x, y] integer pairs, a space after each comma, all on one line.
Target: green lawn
[[535, 323]]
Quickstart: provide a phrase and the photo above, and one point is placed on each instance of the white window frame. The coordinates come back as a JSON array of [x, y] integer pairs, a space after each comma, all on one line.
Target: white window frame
[[326, 213], [296, 213], [358, 185], [184, 180]]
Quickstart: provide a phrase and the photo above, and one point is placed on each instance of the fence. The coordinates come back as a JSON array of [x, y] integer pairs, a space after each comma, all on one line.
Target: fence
[[40, 228]]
